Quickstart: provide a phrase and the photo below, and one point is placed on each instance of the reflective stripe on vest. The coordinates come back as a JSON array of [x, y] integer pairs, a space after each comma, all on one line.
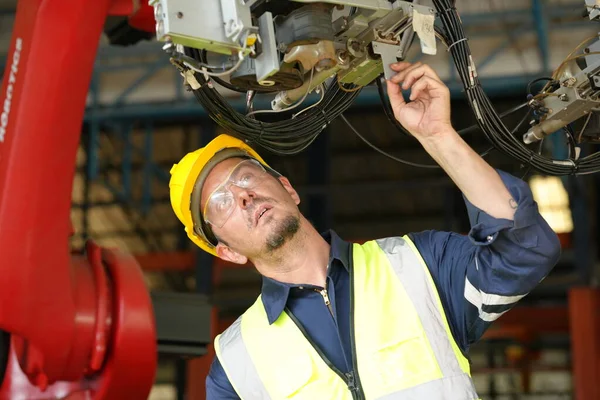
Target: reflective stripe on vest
[[404, 346], [420, 287], [232, 352], [455, 383]]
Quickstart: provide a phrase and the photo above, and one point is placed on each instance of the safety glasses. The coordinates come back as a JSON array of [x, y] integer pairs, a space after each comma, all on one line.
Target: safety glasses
[[247, 175]]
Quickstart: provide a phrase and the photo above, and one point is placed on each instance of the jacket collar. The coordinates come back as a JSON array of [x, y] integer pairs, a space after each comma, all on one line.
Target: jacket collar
[[275, 294]]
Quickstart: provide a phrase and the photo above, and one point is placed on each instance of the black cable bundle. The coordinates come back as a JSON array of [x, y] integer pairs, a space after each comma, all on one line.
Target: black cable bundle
[[489, 121], [286, 135]]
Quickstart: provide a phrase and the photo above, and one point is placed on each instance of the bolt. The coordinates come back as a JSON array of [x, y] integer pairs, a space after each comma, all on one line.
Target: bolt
[[179, 14], [570, 82], [586, 50], [342, 57], [563, 97]]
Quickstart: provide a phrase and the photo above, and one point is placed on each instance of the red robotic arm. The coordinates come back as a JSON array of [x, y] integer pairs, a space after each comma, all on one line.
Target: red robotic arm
[[80, 326]]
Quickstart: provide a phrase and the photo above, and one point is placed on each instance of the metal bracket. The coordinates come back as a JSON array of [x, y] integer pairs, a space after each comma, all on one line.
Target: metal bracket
[[249, 3], [267, 63], [236, 18], [368, 4], [377, 5], [389, 54], [593, 8], [409, 7]]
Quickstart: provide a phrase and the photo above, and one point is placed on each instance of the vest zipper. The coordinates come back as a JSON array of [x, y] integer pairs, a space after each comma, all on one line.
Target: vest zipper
[[359, 390], [323, 293], [348, 378]]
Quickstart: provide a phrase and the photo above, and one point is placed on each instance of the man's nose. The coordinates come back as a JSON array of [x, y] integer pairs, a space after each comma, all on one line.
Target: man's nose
[[244, 196]]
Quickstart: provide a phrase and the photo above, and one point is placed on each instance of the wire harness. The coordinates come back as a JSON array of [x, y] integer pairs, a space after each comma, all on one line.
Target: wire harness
[[505, 140], [290, 131], [284, 133]]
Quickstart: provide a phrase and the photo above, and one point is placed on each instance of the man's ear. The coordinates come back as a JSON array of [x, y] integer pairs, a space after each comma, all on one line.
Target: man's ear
[[288, 186], [227, 254]]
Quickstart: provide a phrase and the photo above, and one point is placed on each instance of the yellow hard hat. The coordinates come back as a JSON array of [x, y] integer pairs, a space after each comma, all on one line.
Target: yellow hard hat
[[187, 178]]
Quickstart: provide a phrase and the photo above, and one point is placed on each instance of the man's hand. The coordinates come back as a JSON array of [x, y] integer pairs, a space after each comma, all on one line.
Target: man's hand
[[427, 117], [428, 112]]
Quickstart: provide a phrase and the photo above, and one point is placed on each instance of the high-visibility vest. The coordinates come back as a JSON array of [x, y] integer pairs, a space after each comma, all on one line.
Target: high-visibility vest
[[402, 346]]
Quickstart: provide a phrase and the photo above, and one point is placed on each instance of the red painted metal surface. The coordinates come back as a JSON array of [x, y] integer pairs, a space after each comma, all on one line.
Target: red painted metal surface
[[46, 87], [127, 371], [130, 366], [122, 7], [584, 311], [82, 326], [18, 387], [142, 18]]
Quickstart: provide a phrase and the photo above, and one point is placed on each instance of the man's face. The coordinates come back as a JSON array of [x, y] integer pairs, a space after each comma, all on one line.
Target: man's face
[[253, 212]]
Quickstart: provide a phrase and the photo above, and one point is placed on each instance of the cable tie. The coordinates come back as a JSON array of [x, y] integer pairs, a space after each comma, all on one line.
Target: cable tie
[[455, 43], [327, 122], [205, 73]]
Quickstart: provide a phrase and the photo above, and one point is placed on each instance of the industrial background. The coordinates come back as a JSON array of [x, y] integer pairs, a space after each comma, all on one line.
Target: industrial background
[[139, 121]]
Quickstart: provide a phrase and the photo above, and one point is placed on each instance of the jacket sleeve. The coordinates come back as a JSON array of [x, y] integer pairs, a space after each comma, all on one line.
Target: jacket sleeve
[[218, 386], [482, 275]]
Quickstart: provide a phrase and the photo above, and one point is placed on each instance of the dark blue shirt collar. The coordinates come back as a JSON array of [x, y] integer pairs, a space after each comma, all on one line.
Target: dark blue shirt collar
[[275, 294]]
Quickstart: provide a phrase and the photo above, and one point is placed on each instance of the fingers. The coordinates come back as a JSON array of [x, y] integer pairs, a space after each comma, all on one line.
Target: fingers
[[399, 66], [417, 73], [395, 94], [432, 86], [403, 70], [408, 74]]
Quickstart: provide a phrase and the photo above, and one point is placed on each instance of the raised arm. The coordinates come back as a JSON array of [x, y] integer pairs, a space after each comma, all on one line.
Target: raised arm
[[485, 273], [427, 117], [510, 247]]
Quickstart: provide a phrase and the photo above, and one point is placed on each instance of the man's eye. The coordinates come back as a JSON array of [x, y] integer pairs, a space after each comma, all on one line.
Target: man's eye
[[246, 179], [223, 203]]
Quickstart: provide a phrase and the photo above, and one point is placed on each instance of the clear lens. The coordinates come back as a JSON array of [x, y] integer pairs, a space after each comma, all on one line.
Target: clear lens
[[222, 202]]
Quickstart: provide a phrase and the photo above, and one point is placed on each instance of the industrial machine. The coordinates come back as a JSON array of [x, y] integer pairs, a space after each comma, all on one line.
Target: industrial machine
[[83, 326], [288, 49]]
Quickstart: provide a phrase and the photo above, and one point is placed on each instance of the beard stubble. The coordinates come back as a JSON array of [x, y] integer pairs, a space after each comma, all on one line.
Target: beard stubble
[[285, 230]]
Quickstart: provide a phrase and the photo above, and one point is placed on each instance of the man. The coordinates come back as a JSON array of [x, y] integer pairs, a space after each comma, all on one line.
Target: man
[[392, 318]]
